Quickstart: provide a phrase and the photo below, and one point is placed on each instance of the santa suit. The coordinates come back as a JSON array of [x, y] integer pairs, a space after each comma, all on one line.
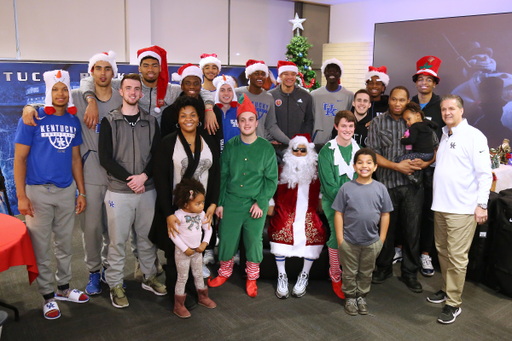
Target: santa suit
[[296, 229]]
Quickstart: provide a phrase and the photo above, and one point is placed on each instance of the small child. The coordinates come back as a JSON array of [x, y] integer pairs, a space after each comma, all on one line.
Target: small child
[[189, 197], [359, 205], [418, 139]]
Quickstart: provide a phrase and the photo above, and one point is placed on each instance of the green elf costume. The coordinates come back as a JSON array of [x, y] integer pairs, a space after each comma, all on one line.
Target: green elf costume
[[248, 175]]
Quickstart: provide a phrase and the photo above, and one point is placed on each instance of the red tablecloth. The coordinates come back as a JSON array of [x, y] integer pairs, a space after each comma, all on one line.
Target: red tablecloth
[[16, 246]]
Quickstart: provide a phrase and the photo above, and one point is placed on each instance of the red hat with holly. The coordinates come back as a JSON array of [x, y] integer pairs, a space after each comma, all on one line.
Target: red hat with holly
[[159, 54], [209, 59], [380, 72], [255, 65], [429, 66], [245, 106], [50, 79], [187, 70]]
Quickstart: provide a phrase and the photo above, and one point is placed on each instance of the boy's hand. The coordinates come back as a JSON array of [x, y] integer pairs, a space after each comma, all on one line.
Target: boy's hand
[[136, 183], [25, 207], [91, 117], [172, 221], [201, 247], [29, 114], [81, 203], [189, 252], [210, 121], [255, 211], [209, 215]]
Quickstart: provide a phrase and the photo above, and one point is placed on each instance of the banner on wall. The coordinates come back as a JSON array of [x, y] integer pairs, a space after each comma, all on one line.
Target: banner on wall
[[22, 84]]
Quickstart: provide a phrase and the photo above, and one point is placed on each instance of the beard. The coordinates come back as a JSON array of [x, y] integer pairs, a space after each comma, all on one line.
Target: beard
[[299, 169]]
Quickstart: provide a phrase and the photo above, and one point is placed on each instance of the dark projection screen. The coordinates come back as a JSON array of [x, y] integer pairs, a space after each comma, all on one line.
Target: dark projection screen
[[476, 54]]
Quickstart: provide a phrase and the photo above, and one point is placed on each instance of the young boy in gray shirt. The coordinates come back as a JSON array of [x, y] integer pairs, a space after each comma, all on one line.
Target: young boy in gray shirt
[[360, 205]]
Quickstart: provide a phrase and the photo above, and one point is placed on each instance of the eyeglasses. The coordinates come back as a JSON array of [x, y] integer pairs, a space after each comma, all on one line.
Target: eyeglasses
[[302, 150]]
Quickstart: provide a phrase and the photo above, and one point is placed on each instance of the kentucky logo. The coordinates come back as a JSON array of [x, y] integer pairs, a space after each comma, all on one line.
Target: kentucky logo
[[452, 145], [261, 109], [60, 136], [330, 110]]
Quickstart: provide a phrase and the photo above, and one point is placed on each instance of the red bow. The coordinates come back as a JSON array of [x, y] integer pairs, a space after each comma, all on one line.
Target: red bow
[[382, 69]]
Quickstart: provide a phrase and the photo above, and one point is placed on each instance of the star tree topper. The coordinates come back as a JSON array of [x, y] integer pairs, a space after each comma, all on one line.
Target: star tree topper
[[297, 24]]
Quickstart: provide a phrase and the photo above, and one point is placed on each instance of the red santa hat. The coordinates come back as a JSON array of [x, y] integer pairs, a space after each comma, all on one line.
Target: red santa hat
[[332, 61], [187, 70], [255, 65], [380, 72], [109, 57], [299, 139], [245, 106], [283, 66], [163, 78], [429, 66], [220, 81], [209, 59], [51, 78]]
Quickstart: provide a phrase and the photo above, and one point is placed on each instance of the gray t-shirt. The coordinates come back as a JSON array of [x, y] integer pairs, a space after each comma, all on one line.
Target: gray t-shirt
[[362, 206]]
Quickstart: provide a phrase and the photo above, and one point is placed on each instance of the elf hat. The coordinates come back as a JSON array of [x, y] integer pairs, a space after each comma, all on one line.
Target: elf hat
[[245, 106], [220, 81], [255, 65], [51, 78], [209, 59], [380, 72], [109, 57], [332, 61], [429, 66], [163, 78], [299, 139], [187, 70]]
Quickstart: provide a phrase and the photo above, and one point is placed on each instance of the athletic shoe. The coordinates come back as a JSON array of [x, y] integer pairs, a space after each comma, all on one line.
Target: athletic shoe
[[208, 257], [398, 255], [282, 286], [137, 273], [299, 289], [206, 271], [362, 306], [94, 285], [104, 280], [427, 269], [152, 284], [438, 297], [118, 297], [351, 306], [449, 314]]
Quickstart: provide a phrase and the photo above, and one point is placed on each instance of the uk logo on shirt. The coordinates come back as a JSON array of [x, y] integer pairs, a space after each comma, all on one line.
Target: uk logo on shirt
[[261, 109], [330, 109], [59, 135]]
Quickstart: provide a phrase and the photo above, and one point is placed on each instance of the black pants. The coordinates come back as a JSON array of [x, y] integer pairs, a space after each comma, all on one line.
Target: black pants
[[407, 208], [427, 221]]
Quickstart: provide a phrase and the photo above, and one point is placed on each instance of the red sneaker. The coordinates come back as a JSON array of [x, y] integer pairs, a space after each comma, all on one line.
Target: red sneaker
[[251, 287], [336, 286], [217, 281]]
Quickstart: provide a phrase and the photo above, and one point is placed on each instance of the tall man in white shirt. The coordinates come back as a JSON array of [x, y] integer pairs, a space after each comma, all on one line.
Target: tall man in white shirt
[[462, 180]]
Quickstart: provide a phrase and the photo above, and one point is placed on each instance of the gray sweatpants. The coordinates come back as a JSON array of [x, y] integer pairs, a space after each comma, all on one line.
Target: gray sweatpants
[[54, 211], [93, 222], [123, 211]]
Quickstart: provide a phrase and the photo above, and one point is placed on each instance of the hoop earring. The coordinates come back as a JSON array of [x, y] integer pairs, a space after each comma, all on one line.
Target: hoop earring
[[178, 125]]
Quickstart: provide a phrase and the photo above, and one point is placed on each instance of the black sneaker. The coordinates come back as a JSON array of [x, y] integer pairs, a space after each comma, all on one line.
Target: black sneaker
[[449, 314], [412, 283], [438, 297], [379, 276]]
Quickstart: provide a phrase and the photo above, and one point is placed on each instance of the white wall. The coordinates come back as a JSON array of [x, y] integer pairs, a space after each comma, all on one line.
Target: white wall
[[354, 22]]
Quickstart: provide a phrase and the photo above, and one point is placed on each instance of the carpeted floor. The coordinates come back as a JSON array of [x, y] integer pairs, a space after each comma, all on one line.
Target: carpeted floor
[[395, 312]]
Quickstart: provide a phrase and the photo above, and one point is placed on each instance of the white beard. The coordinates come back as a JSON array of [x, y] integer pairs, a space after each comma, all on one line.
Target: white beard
[[299, 169]]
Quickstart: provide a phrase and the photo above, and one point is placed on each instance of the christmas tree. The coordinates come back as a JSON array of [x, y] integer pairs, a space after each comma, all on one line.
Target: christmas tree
[[298, 53]]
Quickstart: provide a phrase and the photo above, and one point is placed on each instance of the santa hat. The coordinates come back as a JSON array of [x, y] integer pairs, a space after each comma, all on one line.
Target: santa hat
[[245, 106], [429, 66], [209, 59], [299, 139], [380, 72], [109, 57], [332, 61], [220, 81], [163, 78], [187, 70], [283, 66], [51, 78], [255, 65]]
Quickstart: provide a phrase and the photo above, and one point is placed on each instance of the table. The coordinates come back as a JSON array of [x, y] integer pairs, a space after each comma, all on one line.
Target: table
[[16, 249], [504, 177]]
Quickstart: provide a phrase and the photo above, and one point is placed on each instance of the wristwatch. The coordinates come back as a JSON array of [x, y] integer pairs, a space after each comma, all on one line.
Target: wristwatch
[[482, 206]]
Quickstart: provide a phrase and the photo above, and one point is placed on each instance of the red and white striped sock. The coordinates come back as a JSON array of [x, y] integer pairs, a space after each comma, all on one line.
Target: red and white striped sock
[[252, 270], [226, 268], [334, 265]]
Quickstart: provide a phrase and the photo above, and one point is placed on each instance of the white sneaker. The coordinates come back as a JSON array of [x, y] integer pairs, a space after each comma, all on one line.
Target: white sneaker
[[427, 269], [236, 259], [208, 257], [398, 255], [299, 289], [206, 271], [282, 286]]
